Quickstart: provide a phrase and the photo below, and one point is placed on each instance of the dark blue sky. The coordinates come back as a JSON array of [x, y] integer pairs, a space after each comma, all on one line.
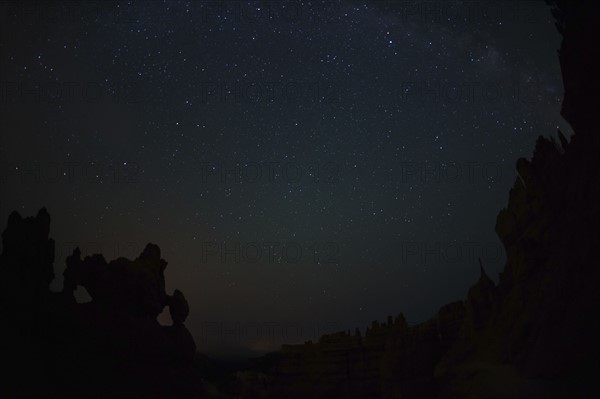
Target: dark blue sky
[[299, 163]]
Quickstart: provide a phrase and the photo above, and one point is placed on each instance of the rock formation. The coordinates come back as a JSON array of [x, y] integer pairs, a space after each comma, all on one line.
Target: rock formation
[[111, 346]]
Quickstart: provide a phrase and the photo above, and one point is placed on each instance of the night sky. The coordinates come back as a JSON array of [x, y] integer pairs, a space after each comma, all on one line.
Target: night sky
[[305, 167]]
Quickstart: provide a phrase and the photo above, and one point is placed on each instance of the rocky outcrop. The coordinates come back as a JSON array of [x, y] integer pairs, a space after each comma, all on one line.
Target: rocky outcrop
[[112, 346], [26, 267], [391, 359], [132, 293], [577, 22]]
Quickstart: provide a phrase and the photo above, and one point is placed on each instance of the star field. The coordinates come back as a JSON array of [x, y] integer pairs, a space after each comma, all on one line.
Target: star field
[[321, 164]]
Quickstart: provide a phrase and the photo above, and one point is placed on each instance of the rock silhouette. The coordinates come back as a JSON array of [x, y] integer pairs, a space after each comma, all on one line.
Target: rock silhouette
[[111, 346]]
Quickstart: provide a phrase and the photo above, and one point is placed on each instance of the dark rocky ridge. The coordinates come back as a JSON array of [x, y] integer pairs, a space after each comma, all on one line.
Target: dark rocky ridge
[[535, 334], [112, 346]]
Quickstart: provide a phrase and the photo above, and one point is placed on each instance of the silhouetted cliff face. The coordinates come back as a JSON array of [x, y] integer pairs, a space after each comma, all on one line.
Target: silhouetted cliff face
[[391, 360], [548, 319], [577, 22], [112, 346], [533, 335], [26, 267]]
